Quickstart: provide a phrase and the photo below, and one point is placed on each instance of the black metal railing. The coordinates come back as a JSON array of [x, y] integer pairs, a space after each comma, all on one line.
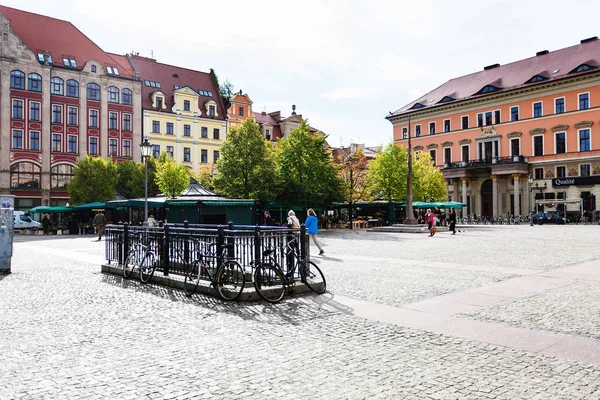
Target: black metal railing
[[178, 244], [486, 162]]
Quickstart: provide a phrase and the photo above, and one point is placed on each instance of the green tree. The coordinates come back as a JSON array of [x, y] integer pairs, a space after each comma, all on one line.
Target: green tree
[[131, 179], [388, 173], [354, 177], [428, 181], [94, 179], [172, 179], [205, 175], [246, 166], [306, 169]]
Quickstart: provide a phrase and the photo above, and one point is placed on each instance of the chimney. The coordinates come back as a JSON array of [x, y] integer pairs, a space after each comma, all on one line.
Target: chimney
[[542, 53], [592, 39], [491, 67]]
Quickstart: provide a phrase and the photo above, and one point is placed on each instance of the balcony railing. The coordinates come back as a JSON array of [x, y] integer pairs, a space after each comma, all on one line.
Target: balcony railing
[[486, 162]]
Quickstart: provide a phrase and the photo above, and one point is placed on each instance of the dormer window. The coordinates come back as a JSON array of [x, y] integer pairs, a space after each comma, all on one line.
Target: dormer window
[[488, 89], [159, 103], [417, 106], [537, 78], [69, 62], [446, 99], [93, 69], [583, 67], [175, 76], [41, 57], [112, 70], [211, 111]]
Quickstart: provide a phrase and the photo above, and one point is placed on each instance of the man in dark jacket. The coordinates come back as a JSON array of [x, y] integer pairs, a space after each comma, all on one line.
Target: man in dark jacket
[[99, 222]]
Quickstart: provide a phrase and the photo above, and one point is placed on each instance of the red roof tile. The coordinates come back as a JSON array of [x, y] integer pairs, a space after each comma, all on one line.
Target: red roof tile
[[58, 38], [552, 65], [168, 76]]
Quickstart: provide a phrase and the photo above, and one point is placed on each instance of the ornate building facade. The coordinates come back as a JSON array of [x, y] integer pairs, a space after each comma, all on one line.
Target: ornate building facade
[[516, 138], [184, 114], [61, 97]]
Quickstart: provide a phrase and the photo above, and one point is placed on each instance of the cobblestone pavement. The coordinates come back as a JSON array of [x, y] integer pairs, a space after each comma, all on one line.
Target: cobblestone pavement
[[564, 310], [68, 331]]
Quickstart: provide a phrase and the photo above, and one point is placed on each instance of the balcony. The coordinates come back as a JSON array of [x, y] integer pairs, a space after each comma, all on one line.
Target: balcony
[[486, 162]]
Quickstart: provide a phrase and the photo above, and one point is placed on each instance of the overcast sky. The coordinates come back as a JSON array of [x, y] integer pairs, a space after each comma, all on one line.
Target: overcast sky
[[344, 64]]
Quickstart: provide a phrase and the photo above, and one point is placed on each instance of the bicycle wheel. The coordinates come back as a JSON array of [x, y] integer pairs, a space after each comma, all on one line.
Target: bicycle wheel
[[192, 278], [129, 265], [269, 282], [147, 267], [312, 276], [230, 280]]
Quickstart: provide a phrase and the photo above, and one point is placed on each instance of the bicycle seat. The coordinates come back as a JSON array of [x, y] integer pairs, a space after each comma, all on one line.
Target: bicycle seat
[[268, 252]]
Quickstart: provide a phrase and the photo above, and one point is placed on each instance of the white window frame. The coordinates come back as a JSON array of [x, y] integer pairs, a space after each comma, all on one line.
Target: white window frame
[[533, 109], [90, 118], [566, 144], [533, 145], [420, 130], [482, 119], [468, 146], [62, 119], [579, 138], [510, 146], [494, 116], [432, 123], [564, 104], [117, 119], [433, 159], [518, 112], [76, 141], [444, 125], [29, 111], [582, 164], [461, 121], [444, 155], [589, 101], [404, 133]]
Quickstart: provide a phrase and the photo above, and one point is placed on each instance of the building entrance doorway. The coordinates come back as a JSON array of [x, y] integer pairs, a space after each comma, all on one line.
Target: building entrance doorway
[[486, 198]]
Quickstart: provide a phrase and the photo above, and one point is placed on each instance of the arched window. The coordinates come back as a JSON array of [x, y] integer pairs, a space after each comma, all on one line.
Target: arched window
[[488, 89], [57, 86], [416, 106], [60, 175], [25, 175], [583, 67], [35, 82], [93, 68], [17, 80], [72, 88], [126, 97], [113, 94], [93, 91]]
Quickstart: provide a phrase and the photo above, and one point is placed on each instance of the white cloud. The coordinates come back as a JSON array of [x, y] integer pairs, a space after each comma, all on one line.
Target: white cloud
[[345, 93]]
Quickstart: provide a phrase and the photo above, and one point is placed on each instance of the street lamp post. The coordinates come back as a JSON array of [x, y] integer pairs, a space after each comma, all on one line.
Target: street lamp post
[[531, 188], [146, 151]]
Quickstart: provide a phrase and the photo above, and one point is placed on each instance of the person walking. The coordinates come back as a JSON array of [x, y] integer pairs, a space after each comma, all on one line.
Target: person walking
[[429, 220], [99, 222], [293, 220], [46, 223], [268, 219], [312, 228], [452, 220]]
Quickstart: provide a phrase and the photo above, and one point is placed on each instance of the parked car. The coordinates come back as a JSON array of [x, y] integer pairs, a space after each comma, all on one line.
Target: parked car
[[548, 218]]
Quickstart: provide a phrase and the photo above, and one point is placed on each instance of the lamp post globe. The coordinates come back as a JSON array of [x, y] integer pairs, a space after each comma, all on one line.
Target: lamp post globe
[[146, 149]]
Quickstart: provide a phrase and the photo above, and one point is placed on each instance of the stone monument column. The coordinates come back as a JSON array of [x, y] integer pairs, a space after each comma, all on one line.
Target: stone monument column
[[517, 194]]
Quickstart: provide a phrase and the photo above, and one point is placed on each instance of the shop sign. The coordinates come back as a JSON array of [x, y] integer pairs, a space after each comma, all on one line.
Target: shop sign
[[583, 180]]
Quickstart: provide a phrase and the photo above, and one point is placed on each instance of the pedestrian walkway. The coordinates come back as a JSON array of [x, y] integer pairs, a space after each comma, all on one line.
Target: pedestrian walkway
[[488, 314]]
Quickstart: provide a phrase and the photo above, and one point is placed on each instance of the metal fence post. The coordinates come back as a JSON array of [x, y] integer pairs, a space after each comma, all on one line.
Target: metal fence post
[[231, 241], [186, 243], [289, 251], [304, 245], [125, 249], [165, 250], [220, 242], [257, 244]]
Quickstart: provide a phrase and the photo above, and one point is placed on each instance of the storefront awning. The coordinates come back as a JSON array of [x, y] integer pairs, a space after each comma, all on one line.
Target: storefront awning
[[228, 203], [46, 209], [182, 203]]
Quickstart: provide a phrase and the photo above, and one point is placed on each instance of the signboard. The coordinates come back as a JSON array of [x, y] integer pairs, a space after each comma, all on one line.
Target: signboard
[[580, 180]]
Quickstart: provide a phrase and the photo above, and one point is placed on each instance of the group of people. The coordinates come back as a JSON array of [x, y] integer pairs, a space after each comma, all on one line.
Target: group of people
[[430, 220], [311, 223]]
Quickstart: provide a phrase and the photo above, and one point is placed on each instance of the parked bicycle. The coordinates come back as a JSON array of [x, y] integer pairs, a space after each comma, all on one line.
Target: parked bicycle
[[142, 256], [270, 281], [227, 278]]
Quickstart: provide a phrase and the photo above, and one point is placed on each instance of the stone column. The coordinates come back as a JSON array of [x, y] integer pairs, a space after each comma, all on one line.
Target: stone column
[[517, 193], [464, 189], [494, 196]]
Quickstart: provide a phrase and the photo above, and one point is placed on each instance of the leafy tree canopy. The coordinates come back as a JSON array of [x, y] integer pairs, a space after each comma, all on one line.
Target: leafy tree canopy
[[130, 183], [246, 166], [94, 179], [172, 179], [389, 175], [307, 171], [354, 176]]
